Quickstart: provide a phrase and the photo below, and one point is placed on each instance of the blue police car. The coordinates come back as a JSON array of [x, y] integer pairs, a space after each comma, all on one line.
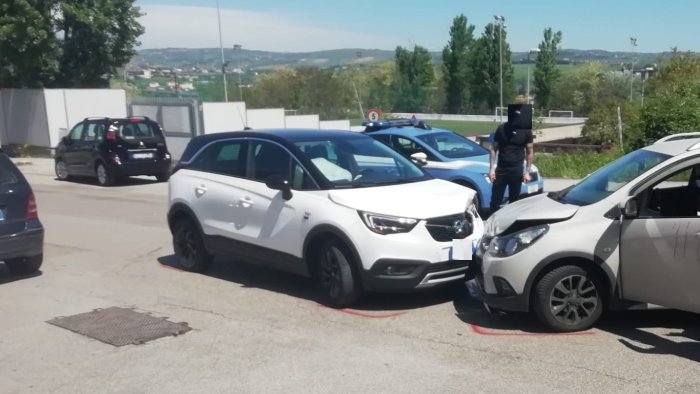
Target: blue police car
[[445, 155]]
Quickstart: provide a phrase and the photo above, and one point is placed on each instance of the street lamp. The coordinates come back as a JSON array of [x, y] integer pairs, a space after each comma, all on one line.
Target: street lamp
[[239, 48], [221, 45], [633, 43], [500, 20]]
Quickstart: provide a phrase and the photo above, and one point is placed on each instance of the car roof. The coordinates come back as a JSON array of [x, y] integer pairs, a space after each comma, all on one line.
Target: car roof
[[407, 131], [277, 135], [676, 147]]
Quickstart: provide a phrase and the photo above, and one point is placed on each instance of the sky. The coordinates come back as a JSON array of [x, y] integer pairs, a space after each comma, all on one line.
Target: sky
[[311, 25]]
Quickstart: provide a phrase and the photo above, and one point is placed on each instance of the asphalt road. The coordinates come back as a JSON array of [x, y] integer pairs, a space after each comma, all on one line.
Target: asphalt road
[[256, 330]]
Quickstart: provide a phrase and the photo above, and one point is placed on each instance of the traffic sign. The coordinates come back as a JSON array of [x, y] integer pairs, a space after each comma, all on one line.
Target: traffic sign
[[374, 115]]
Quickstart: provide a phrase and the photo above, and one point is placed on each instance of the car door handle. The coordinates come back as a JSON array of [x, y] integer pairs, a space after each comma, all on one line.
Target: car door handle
[[246, 202], [200, 190]]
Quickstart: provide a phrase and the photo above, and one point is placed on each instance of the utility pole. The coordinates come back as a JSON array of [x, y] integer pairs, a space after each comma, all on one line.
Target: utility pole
[[223, 60], [239, 48], [633, 43], [500, 20]]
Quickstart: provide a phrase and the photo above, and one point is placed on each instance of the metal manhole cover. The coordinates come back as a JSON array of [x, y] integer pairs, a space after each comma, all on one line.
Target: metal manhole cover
[[120, 326]]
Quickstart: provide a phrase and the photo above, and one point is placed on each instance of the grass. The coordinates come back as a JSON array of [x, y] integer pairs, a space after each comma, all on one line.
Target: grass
[[573, 166]]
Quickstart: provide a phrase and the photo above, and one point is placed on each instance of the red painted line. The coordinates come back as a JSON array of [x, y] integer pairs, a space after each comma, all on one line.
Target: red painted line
[[481, 331], [362, 314], [171, 268]]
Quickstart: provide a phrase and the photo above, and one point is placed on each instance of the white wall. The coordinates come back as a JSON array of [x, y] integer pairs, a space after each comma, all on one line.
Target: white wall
[[220, 117], [266, 118], [25, 120], [176, 145], [302, 122], [335, 125]]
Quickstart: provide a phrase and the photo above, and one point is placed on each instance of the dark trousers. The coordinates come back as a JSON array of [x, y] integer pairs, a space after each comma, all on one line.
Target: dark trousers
[[506, 177]]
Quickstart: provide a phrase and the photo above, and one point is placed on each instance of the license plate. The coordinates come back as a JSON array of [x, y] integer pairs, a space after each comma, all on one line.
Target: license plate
[[532, 189], [142, 155], [462, 249]]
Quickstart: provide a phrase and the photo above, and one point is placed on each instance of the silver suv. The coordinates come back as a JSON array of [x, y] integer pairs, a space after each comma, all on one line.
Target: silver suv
[[627, 235]]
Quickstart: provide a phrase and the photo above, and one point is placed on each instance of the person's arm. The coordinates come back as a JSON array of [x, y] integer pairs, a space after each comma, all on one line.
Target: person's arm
[[492, 160], [530, 151]]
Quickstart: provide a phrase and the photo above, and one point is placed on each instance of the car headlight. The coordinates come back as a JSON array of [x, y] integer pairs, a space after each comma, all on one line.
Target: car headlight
[[382, 224], [511, 244]]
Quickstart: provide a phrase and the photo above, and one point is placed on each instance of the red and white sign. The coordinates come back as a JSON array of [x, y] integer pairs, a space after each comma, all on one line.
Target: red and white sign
[[374, 115]]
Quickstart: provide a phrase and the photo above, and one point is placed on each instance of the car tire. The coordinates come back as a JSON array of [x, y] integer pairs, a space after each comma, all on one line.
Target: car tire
[[104, 176], [569, 299], [336, 276], [61, 170], [163, 177], [25, 265], [189, 247]]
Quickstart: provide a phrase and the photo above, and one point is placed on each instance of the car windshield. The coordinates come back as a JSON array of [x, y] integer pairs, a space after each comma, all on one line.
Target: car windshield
[[360, 162], [452, 145], [610, 178]]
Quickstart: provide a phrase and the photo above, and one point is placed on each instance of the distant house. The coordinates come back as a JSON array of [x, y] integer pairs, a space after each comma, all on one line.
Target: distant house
[[154, 85]]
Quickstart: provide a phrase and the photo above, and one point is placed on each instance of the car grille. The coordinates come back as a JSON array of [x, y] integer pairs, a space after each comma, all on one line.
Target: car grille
[[447, 228]]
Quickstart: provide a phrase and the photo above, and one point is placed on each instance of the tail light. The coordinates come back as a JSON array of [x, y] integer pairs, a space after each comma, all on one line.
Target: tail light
[[32, 211], [111, 136]]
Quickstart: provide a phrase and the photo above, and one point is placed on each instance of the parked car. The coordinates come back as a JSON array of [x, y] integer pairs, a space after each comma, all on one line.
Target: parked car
[[337, 206], [109, 149], [446, 155], [626, 234], [21, 232]]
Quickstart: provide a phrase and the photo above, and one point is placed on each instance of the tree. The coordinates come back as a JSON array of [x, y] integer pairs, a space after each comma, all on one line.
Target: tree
[[28, 47], [99, 37], [455, 57], [414, 70], [546, 72], [485, 77]]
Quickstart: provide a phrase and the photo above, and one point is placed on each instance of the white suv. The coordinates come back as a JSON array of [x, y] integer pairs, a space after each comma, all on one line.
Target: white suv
[[627, 235], [337, 206]]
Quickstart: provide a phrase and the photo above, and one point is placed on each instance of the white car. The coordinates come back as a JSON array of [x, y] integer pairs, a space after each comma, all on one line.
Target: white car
[[337, 206], [627, 235]]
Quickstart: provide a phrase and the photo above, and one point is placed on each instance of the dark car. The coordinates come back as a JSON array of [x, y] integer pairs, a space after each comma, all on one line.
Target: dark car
[[21, 232], [109, 149]]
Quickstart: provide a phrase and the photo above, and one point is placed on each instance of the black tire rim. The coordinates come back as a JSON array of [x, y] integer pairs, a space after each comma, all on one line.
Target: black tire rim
[[331, 276], [186, 245], [573, 300], [61, 170]]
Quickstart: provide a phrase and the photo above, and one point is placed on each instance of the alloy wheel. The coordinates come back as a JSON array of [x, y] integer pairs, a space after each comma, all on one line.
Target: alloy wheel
[[331, 276], [573, 299]]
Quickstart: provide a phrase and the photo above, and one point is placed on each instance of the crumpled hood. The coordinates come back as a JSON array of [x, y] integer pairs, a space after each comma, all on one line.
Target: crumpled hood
[[417, 200], [537, 208]]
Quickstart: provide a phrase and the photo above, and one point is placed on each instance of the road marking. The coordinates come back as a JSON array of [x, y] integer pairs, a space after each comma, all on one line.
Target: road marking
[[482, 331], [363, 314]]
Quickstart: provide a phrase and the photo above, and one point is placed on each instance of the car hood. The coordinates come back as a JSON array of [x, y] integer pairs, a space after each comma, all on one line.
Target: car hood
[[538, 208], [417, 200]]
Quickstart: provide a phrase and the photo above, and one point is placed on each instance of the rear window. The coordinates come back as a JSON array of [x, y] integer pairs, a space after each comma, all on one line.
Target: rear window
[[137, 130], [8, 173]]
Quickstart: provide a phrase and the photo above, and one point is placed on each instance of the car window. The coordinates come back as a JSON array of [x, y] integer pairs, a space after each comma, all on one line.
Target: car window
[[93, 132], [226, 157], [8, 175], [677, 195], [452, 145], [76, 134], [409, 147], [268, 159], [359, 162], [137, 130]]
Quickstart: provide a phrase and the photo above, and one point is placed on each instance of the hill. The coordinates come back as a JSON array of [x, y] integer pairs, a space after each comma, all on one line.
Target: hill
[[262, 60]]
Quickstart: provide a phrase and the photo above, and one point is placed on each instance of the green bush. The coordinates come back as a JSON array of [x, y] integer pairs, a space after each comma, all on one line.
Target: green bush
[[573, 165]]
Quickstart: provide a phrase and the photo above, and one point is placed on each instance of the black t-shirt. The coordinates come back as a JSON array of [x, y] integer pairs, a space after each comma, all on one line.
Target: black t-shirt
[[511, 145]]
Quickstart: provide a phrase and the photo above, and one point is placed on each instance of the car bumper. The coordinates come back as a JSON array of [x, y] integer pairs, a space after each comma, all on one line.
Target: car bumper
[[28, 243], [415, 274], [146, 167]]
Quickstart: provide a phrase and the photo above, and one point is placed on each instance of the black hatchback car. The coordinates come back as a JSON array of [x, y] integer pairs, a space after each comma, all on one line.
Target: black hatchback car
[[21, 232], [109, 149]]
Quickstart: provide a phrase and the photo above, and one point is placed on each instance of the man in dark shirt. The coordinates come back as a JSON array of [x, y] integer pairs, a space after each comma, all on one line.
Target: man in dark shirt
[[511, 144]]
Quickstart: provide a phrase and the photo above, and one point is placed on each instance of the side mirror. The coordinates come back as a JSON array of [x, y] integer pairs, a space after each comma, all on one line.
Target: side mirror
[[631, 209], [65, 140], [420, 158], [279, 182]]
